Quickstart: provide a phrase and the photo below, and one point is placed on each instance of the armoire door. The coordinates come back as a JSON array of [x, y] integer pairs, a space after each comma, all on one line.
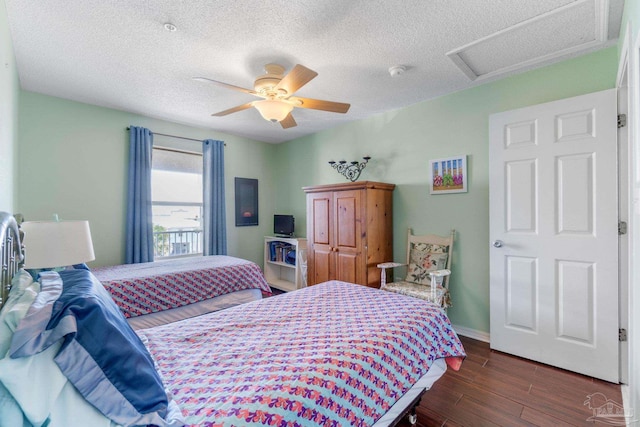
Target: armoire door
[[320, 237], [347, 242]]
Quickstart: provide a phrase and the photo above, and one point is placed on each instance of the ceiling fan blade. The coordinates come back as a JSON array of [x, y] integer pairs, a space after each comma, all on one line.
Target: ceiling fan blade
[[227, 85], [288, 122], [317, 104], [234, 109], [298, 77]]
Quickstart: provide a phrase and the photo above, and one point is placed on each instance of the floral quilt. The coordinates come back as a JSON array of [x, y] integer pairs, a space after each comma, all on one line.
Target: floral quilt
[[334, 354], [155, 286]]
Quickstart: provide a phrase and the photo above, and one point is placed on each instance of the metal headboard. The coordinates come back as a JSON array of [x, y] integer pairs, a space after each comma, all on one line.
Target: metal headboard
[[11, 253]]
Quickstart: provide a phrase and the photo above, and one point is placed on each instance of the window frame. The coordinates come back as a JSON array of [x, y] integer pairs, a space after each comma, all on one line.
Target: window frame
[[197, 232]]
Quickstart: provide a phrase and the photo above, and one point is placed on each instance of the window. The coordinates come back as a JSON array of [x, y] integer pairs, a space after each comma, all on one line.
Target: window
[[176, 193]]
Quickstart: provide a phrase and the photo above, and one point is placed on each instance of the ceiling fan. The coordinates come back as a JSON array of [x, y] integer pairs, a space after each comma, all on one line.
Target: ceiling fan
[[277, 89]]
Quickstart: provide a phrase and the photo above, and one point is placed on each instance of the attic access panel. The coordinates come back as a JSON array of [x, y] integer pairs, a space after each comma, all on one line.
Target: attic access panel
[[568, 29]]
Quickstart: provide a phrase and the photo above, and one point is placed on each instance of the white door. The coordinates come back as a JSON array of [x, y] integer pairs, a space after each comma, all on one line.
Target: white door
[[553, 226]]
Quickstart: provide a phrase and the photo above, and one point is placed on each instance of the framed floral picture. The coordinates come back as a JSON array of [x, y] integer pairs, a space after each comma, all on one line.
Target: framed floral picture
[[448, 175]]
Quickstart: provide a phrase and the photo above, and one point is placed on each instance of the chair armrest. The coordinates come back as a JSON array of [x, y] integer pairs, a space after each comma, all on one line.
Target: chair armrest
[[386, 265], [383, 271], [440, 273]]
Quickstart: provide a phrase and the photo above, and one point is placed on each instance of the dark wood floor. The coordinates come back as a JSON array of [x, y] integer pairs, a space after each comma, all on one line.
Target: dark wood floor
[[496, 389]]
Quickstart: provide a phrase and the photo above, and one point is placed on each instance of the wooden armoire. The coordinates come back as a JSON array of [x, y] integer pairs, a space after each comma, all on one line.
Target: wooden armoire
[[349, 231]]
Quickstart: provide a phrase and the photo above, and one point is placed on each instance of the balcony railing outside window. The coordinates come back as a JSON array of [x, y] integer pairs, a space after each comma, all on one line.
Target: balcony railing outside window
[[177, 243], [177, 229]]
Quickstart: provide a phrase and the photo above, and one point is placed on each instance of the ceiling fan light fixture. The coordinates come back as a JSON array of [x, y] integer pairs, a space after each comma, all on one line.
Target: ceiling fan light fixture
[[277, 90], [273, 110]]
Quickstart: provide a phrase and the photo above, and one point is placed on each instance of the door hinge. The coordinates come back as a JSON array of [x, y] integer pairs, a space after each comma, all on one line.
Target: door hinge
[[622, 334], [622, 227], [622, 120]]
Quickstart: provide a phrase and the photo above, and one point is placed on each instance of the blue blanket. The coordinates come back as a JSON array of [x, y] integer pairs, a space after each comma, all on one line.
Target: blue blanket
[[100, 353]]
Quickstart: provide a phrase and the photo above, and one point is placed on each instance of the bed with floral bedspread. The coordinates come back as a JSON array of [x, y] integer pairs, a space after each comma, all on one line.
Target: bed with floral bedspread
[[333, 354], [151, 287]]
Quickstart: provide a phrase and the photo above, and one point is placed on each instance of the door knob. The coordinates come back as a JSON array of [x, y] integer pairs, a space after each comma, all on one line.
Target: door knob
[[497, 243]]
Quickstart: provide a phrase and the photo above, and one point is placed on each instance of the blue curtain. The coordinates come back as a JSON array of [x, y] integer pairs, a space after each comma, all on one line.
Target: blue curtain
[[214, 217], [139, 246]]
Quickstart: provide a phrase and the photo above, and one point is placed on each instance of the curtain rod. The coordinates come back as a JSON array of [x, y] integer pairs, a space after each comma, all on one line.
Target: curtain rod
[[178, 137]]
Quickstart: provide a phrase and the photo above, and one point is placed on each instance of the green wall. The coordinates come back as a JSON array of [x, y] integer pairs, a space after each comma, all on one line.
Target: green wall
[[9, 89], [401, 143], [73, 162]]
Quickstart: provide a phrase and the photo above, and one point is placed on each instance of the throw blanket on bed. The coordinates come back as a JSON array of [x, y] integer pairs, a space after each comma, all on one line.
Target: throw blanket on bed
[[333, 354], [155, 286]]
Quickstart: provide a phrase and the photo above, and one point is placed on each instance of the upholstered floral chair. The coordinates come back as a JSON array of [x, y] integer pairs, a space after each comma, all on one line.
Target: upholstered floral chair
[[425, 255]]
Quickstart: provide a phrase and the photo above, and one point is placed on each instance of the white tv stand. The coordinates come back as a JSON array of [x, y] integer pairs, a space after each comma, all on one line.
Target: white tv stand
[[280, 274]]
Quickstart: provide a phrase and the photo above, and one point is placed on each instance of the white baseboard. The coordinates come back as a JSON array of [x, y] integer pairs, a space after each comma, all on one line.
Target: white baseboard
[[472, 333]]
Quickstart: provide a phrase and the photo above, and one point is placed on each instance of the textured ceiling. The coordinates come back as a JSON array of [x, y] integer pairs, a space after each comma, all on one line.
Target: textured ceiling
[[117, 53]]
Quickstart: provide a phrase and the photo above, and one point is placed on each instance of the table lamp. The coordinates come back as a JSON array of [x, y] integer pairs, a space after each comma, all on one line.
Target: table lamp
[[53, 244]]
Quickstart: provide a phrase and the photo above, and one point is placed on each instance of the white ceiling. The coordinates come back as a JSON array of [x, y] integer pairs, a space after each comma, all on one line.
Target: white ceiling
[[117, 53]]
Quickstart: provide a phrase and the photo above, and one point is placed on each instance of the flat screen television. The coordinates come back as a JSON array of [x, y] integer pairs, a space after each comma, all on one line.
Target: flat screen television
[[283, 225]]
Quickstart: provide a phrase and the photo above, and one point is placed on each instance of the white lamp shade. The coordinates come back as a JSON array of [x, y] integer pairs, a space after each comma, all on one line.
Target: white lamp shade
[[273, 110], [50, 244]]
